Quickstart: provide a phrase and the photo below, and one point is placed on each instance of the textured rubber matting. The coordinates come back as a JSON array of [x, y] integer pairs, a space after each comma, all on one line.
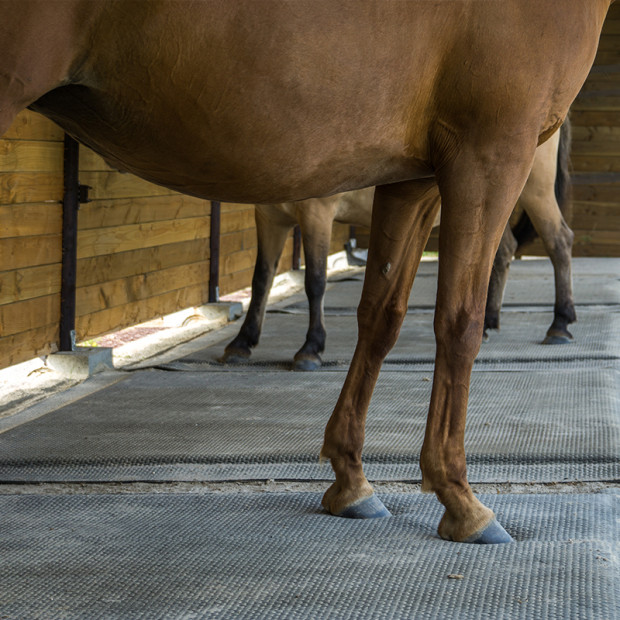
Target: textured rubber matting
[[521, 290], [552, 426], [530, 283], [597, 337], [278, 556]]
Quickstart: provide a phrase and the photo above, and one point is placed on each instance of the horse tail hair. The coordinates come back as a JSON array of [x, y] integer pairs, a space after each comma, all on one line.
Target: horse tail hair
[[523, 231]]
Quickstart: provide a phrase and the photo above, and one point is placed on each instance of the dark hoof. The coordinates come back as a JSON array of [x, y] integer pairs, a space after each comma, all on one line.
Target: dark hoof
[[307, 363], [367, 508], [485, 337], [492, 534], [558, 338], [236, 356]]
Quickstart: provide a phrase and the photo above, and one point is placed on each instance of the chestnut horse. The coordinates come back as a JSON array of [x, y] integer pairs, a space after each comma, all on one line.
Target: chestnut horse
[[543, 200], [277, 101]]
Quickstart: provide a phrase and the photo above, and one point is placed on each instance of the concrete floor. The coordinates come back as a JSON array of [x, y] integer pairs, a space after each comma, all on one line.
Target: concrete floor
[[182, 489]]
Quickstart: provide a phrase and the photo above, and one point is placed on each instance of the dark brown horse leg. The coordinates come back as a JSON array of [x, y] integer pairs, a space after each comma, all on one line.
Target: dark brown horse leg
[[479, 189], [402, 218], [316, 231], [497, 282], [272, 232]]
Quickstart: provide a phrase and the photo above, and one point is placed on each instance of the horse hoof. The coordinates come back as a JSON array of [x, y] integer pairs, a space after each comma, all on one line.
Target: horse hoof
[[235, 357], [555, 339], [306, 364], [366, 508], [492, 534]]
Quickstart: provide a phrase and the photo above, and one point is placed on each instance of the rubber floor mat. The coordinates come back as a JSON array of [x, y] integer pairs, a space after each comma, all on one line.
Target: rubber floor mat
[[278, 556], [530, 283], [156, 425], [597, 337]]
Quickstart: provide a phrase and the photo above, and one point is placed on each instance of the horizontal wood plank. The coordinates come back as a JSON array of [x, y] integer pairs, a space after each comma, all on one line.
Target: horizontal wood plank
[[238, 220], [19, 252], [95, 242], [595, 135], [26, 315], [20, 187], [594, 118], [238, 261], [33, 126], [232, 282], [91, 162], [26, 220], [124, 291], [592, 162], [233, 207], [27, 345], [109, 213], [116, 185], [22, 284], [119, 317], [31, 156], [100, 269]]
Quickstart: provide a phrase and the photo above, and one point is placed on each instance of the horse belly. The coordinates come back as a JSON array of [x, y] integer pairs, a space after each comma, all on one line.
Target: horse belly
[[298, 107]]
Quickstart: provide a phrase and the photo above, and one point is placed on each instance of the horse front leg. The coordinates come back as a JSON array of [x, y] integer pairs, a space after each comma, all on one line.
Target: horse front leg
[[475, 209], [315, 221], [272, 231], [402, 218]]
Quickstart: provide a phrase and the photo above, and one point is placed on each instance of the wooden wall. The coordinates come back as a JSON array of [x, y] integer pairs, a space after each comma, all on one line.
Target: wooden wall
[[143, 251], [596, 150], [31, 188]]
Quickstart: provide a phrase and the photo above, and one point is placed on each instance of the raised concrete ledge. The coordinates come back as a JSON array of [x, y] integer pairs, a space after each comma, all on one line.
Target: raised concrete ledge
[[230, 310], [82, 362]]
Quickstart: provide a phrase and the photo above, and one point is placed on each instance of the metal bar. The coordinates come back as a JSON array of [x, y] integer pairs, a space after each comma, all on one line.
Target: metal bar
[[70, 206], [214, 255], [296, 248]]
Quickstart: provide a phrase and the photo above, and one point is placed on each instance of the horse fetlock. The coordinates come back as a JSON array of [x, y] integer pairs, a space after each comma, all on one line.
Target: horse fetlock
[[491, 321], [564, 314]]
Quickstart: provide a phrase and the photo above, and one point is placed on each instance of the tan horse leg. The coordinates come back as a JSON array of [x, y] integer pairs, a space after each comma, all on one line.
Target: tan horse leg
[[539, 202], [272, 229], [316, 220], [402, 218], [478, 193]]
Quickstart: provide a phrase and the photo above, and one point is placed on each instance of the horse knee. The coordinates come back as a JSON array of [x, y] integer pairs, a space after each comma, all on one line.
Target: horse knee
[[459, 334], [380, 324]]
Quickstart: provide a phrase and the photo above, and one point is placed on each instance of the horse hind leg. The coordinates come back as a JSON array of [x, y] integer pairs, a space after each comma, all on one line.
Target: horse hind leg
[[402, 218], [272, 231], [540, 201], [315, 221], [497, 281]]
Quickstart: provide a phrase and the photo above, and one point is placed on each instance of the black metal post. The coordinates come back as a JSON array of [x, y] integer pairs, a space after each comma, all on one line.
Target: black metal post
[[70, 206], [352, 232], [214, 255], [296, 248]]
